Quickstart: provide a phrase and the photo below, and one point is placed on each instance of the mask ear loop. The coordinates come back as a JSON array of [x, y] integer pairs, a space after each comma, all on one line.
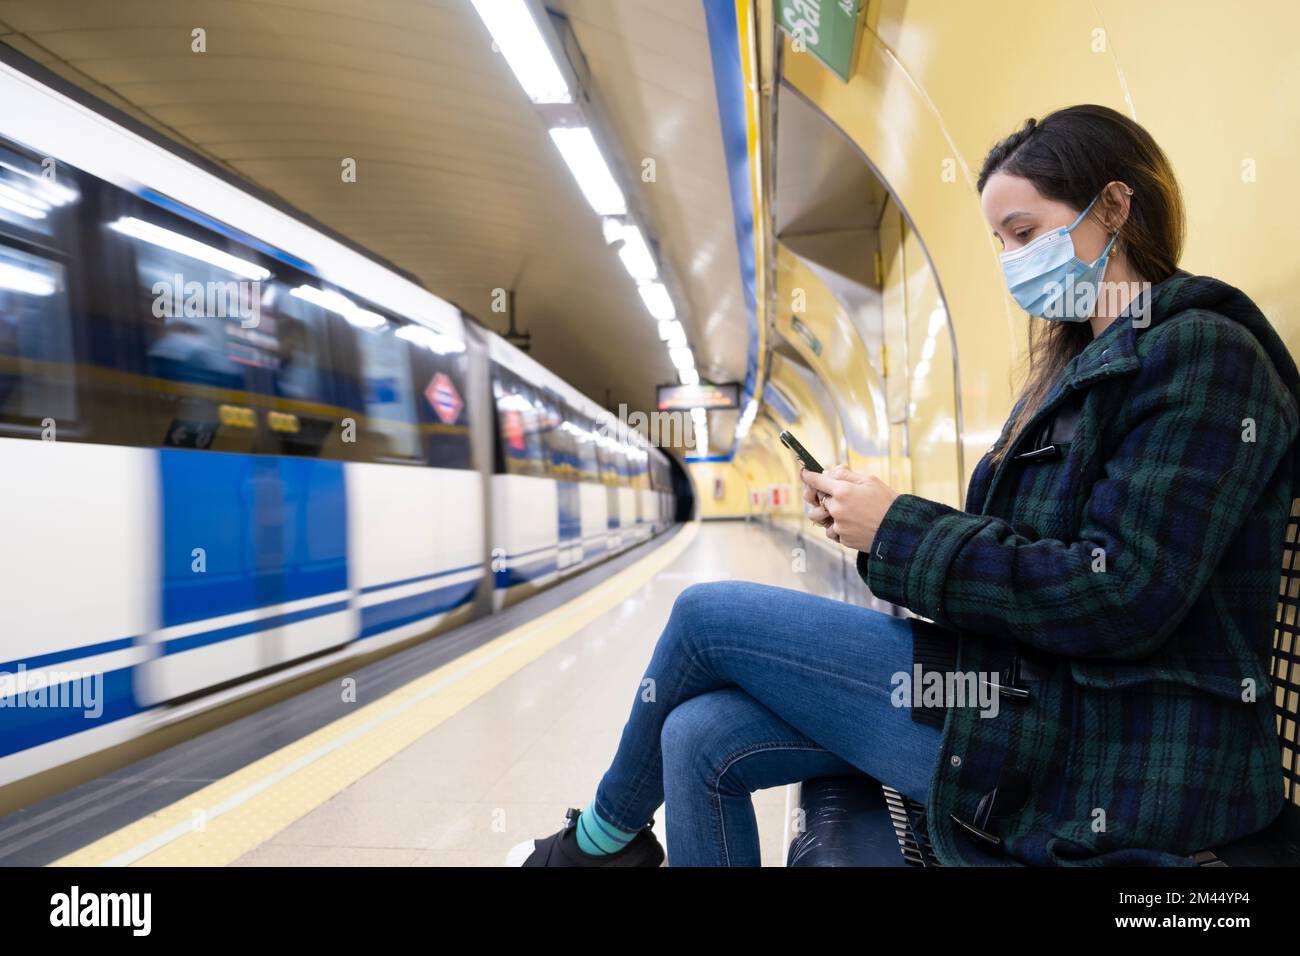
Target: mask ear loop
[[1075, 225]]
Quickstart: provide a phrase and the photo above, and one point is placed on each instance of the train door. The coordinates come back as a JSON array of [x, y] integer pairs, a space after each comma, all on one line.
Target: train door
[[612, 475], [638, 458], [301, 517], [525, 532], [253, 564], [415, 504], [593, 499], [196, 383], [562, 452]]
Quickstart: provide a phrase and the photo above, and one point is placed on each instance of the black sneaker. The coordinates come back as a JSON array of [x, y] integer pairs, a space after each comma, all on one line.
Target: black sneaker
[[561, 849]]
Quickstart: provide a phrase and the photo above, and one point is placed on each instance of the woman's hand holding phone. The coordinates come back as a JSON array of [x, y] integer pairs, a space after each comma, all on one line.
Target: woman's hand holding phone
[[817, 514], [848, 505]]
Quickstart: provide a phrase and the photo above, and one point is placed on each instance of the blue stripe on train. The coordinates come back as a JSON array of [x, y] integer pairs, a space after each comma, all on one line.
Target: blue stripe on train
[[181, 644], [384, 617], [529, 571], [423, 577], [69, 654], [26, 727]]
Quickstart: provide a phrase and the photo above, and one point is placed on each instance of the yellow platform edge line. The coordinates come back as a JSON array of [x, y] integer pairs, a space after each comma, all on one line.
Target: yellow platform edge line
[[221, 822]]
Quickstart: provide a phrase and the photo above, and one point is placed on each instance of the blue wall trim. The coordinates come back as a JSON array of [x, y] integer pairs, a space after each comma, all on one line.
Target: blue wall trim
[[778, 402], [729, 85]]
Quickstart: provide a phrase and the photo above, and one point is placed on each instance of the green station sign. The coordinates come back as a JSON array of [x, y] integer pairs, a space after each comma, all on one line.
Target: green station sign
[[828, 29]]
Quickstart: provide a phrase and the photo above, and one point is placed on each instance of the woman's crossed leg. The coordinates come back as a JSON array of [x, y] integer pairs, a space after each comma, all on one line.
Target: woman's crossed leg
[[752, 686]]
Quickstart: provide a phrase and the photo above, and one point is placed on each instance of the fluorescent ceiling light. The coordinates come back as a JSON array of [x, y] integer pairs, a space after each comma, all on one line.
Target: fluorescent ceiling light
[[520, 41], [657, 300], [677, 337], [682, 358], [701, 441], [580, 152], [636, 257], [667, 327], [700, 414], [158, 236], [25, 280], [688, 376], [746, 419]]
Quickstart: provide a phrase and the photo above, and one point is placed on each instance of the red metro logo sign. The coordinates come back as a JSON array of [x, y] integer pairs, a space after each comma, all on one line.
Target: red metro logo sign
[[443, 397]]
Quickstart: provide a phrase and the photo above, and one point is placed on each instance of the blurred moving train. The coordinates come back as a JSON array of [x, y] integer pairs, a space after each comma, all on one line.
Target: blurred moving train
[[235, 449]]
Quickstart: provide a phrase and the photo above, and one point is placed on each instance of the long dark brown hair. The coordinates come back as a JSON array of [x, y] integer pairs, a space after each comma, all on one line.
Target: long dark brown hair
[[1069, 156]]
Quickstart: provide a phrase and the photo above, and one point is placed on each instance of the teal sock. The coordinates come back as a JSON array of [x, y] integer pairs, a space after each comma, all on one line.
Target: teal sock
[[598, 837]]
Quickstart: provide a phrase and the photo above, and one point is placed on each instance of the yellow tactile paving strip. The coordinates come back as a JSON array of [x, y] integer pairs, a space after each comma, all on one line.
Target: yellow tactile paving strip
[[223, 821]]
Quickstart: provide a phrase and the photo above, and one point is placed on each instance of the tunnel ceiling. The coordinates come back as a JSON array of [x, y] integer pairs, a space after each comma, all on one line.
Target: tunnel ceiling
[[457, 180]]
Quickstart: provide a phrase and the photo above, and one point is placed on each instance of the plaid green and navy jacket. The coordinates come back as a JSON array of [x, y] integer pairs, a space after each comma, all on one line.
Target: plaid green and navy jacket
[[1140, 567]]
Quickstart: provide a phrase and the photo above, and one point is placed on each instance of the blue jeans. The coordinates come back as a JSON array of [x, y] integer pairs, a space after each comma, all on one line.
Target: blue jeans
[[752, 686]]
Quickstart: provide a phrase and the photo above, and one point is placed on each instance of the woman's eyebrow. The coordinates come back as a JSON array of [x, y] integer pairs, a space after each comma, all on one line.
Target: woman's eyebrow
[[1012, 215]]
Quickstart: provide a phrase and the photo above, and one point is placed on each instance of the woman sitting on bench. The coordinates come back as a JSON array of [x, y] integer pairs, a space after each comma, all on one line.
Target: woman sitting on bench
[[1110, 588]]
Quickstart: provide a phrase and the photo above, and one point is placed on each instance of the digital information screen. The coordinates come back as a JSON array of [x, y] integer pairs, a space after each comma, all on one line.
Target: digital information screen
[[675, 398]]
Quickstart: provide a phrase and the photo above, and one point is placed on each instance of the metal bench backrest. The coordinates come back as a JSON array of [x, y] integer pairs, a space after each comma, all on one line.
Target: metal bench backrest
[[1285, 667]]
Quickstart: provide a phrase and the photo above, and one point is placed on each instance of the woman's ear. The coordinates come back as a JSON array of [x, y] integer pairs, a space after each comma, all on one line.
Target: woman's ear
[[1115, 202]]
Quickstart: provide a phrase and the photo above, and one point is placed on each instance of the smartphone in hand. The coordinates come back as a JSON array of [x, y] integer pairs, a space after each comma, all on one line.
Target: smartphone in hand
[[809, 462]]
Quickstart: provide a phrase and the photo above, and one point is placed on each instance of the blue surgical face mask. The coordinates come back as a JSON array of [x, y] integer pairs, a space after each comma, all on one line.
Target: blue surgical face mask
[[1048, 280]]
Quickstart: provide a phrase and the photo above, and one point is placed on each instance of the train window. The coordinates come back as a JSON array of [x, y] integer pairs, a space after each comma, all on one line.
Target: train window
[[636, 467], [387, 389], [546, 421], [438, 364], [585, 433], [519, 422], [622, 466], [300, 330], [301, 378], [203, 330], [604, 459], [29, 195], [561, 444], [611, 462], [37, 377]]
